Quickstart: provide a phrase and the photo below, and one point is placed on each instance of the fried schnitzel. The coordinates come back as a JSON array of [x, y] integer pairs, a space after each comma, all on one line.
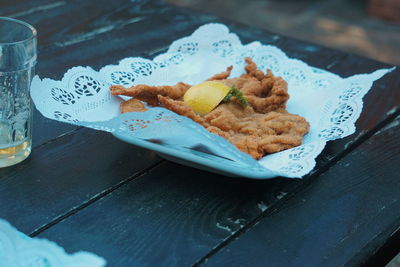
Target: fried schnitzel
[[262, 128]]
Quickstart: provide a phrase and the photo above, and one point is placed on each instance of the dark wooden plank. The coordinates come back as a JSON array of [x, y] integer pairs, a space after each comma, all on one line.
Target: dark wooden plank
[[147, 37], [381, 105], [254, 197], [102, 15], [66, 174], [267, 193], [172, 216], [162, 25], [133, 40], [45, 130], [175, 215], [106, 48], [116, 45], [347, 213], [19, 8], [130, 41], [186, 27], [385, 253], [79, 20]]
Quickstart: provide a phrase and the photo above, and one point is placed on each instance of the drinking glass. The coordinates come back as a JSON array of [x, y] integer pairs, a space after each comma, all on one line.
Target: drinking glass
[[17, 66]]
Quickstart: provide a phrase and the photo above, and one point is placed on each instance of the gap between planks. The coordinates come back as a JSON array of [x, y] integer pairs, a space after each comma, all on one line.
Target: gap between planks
[[82, 37], [92, 34], [93, 199], [306, 181], [269, 211], [384, 253], [359, 140]]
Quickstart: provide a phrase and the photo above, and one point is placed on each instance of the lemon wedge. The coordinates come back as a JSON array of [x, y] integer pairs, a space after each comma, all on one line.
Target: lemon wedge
[[204, 97]]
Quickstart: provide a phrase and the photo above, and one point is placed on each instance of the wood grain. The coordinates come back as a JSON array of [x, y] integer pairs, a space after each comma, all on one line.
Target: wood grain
[[106, 48], [109, 47], [349, 211], [66, 174], [51, 149], [20, 8], [231, 205], [267, 192], [45, 131], [189, 212], [173, 214], [83, 19]]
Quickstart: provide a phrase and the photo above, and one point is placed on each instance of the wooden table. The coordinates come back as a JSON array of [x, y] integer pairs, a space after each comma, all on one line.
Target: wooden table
[[86, 190]]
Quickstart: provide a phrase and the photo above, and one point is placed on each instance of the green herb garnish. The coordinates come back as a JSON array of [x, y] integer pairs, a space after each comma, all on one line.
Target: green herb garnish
[[234, 92]]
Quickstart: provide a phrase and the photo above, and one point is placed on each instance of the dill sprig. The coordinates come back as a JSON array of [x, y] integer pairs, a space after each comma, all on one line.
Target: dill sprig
[[234, 92]]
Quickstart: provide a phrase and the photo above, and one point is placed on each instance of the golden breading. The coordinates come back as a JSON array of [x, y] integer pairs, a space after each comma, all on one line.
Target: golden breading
[[132, 105], [262, 128], [222, 75], [265, 93], [255, 133], [149, 94], [180, 108]]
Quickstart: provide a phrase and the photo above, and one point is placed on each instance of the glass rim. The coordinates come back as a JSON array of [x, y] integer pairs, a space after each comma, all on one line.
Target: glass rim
[[27, 25]]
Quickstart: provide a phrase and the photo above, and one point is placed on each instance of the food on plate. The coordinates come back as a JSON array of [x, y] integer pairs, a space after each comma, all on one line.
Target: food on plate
[[149, 94], [132, 105], [249, 111]]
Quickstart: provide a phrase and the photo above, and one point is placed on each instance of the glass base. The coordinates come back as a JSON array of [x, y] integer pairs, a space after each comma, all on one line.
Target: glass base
[[12, 155]]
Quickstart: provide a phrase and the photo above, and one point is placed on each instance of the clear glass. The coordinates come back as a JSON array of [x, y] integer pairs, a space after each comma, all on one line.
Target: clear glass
[[17, 66]]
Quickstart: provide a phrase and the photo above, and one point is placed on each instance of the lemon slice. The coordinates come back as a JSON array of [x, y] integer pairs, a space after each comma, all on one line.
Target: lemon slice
[[204, 97]]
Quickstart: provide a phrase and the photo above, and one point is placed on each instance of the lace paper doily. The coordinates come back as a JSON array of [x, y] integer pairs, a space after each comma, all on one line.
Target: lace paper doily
[[331, 104], [17, 250]]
